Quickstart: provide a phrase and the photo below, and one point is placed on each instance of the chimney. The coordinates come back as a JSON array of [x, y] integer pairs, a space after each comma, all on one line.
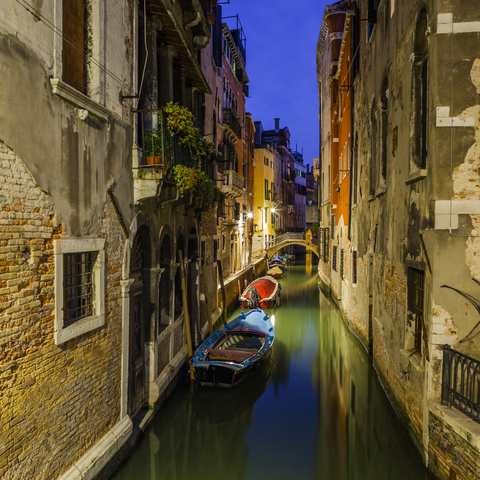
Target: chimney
[[277, 125]]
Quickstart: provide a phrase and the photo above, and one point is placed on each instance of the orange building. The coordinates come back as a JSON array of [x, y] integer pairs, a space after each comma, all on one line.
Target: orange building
[[341, 116]]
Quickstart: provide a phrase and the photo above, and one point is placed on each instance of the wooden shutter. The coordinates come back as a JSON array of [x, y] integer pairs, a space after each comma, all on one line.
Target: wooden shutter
[[73, 56]]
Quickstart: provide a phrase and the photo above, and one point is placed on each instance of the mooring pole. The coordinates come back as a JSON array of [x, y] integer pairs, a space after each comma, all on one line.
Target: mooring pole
[[224, 296], [185, 314], [209, 316]]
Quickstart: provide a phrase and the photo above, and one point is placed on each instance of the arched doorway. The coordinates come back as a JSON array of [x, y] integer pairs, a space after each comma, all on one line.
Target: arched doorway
[[136, 371], [165, 285], [193, 285], [178, 307]]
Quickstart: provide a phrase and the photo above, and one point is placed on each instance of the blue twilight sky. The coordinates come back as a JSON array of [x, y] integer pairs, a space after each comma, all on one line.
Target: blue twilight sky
[[282, 39]]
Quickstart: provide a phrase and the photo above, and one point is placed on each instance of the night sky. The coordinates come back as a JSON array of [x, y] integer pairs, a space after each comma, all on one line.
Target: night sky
[[281, 64]]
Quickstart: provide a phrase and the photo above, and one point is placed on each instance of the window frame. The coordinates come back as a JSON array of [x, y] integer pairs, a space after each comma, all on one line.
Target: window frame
[[79, 245], [92, 103], [334, 257]]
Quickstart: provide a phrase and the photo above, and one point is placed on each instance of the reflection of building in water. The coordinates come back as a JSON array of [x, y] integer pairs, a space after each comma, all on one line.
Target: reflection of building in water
[[357, 434], [196, 432]]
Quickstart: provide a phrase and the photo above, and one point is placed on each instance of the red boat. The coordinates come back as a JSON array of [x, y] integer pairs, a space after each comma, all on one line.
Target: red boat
[[262, 292]]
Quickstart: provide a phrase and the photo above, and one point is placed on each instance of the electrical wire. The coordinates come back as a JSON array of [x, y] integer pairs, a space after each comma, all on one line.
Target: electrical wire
[[146, 50], [38, 15]]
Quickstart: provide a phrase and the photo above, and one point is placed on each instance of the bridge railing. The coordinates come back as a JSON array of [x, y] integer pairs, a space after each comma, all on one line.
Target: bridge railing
[[289, 236]]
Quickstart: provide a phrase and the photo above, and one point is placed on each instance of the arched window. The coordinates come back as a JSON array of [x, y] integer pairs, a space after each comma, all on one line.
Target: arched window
[[418, 150], [383, 113], [354, 172], [373, 149]]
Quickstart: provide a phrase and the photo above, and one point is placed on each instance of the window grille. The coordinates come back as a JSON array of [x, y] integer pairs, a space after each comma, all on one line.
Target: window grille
[[419, 281], [332, 226], [342, 263], [354, 266], [326, 244], [334, 257], [77, 286]]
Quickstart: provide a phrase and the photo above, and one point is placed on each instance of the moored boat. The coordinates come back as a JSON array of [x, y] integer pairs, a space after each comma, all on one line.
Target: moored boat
[[275, 271], [262, 292], [232, 352]]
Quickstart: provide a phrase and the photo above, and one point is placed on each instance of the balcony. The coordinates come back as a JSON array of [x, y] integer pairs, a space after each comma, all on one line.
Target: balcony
[[154, 157], [232, 183], [231, 120]]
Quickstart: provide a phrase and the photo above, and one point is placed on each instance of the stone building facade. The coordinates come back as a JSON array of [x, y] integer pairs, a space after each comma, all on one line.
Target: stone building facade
[[66, 194], [413, 205], [94, 238]]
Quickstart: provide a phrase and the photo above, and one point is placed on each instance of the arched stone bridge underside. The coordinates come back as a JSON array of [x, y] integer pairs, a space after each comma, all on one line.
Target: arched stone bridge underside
[[287, 239]]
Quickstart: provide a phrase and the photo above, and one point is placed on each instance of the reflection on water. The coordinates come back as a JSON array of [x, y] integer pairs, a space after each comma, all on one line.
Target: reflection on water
[[316, 411]]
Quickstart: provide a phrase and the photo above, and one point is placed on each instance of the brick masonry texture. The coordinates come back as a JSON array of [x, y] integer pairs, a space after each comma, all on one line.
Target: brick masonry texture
[[49, 394], [447, 451]]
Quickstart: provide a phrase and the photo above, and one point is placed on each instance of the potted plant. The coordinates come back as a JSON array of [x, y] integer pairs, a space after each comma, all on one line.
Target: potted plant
[[152, 147]]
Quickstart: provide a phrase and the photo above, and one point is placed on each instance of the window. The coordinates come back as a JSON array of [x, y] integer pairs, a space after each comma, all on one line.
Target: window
[[332, 226], [267, 196], [79, 56], [418, 133], [215, 248], [373, 149], [372, 16], [419, 281], [74, 44], [265, 161], [79, 287], [355, 172], [326, 245], [383, 134], [354, 266], [334, 257], [415, 315], [342, 263]]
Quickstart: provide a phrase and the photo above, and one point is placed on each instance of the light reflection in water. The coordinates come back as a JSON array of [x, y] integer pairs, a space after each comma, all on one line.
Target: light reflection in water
[[317, 411]]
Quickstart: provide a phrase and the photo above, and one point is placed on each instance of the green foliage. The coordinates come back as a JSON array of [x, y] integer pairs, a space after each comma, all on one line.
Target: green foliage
[[180, 123], [193, 180], [315, 228]]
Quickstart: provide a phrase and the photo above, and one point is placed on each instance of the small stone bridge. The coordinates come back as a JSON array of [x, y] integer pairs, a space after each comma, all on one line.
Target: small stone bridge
[[293, 238]]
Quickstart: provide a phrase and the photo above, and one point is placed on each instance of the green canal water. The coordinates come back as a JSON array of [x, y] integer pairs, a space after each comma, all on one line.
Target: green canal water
[[316, 411]]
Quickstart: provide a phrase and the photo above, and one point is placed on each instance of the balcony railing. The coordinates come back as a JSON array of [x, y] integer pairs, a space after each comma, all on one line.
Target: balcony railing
[[232, 183], [461, 382], [230, 118], [159, 147]]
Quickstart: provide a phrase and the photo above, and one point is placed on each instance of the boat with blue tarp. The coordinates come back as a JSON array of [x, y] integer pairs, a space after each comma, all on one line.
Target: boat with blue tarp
[[235, 350]]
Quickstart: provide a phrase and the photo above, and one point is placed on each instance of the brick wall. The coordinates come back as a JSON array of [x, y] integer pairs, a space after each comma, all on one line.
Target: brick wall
[[49, 394], [448, 452]]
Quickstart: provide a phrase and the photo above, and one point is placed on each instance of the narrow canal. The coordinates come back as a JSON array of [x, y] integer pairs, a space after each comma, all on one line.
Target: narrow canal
[[317, 411]]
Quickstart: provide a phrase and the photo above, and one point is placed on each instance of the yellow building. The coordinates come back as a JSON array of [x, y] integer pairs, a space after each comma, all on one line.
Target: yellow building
[[265, 196]]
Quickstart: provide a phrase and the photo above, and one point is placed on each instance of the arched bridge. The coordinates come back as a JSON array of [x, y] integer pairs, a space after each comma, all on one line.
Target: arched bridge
[[293, 238]]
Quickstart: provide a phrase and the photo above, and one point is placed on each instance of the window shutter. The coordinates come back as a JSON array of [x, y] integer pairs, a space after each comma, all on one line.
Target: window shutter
[[73, 56]]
